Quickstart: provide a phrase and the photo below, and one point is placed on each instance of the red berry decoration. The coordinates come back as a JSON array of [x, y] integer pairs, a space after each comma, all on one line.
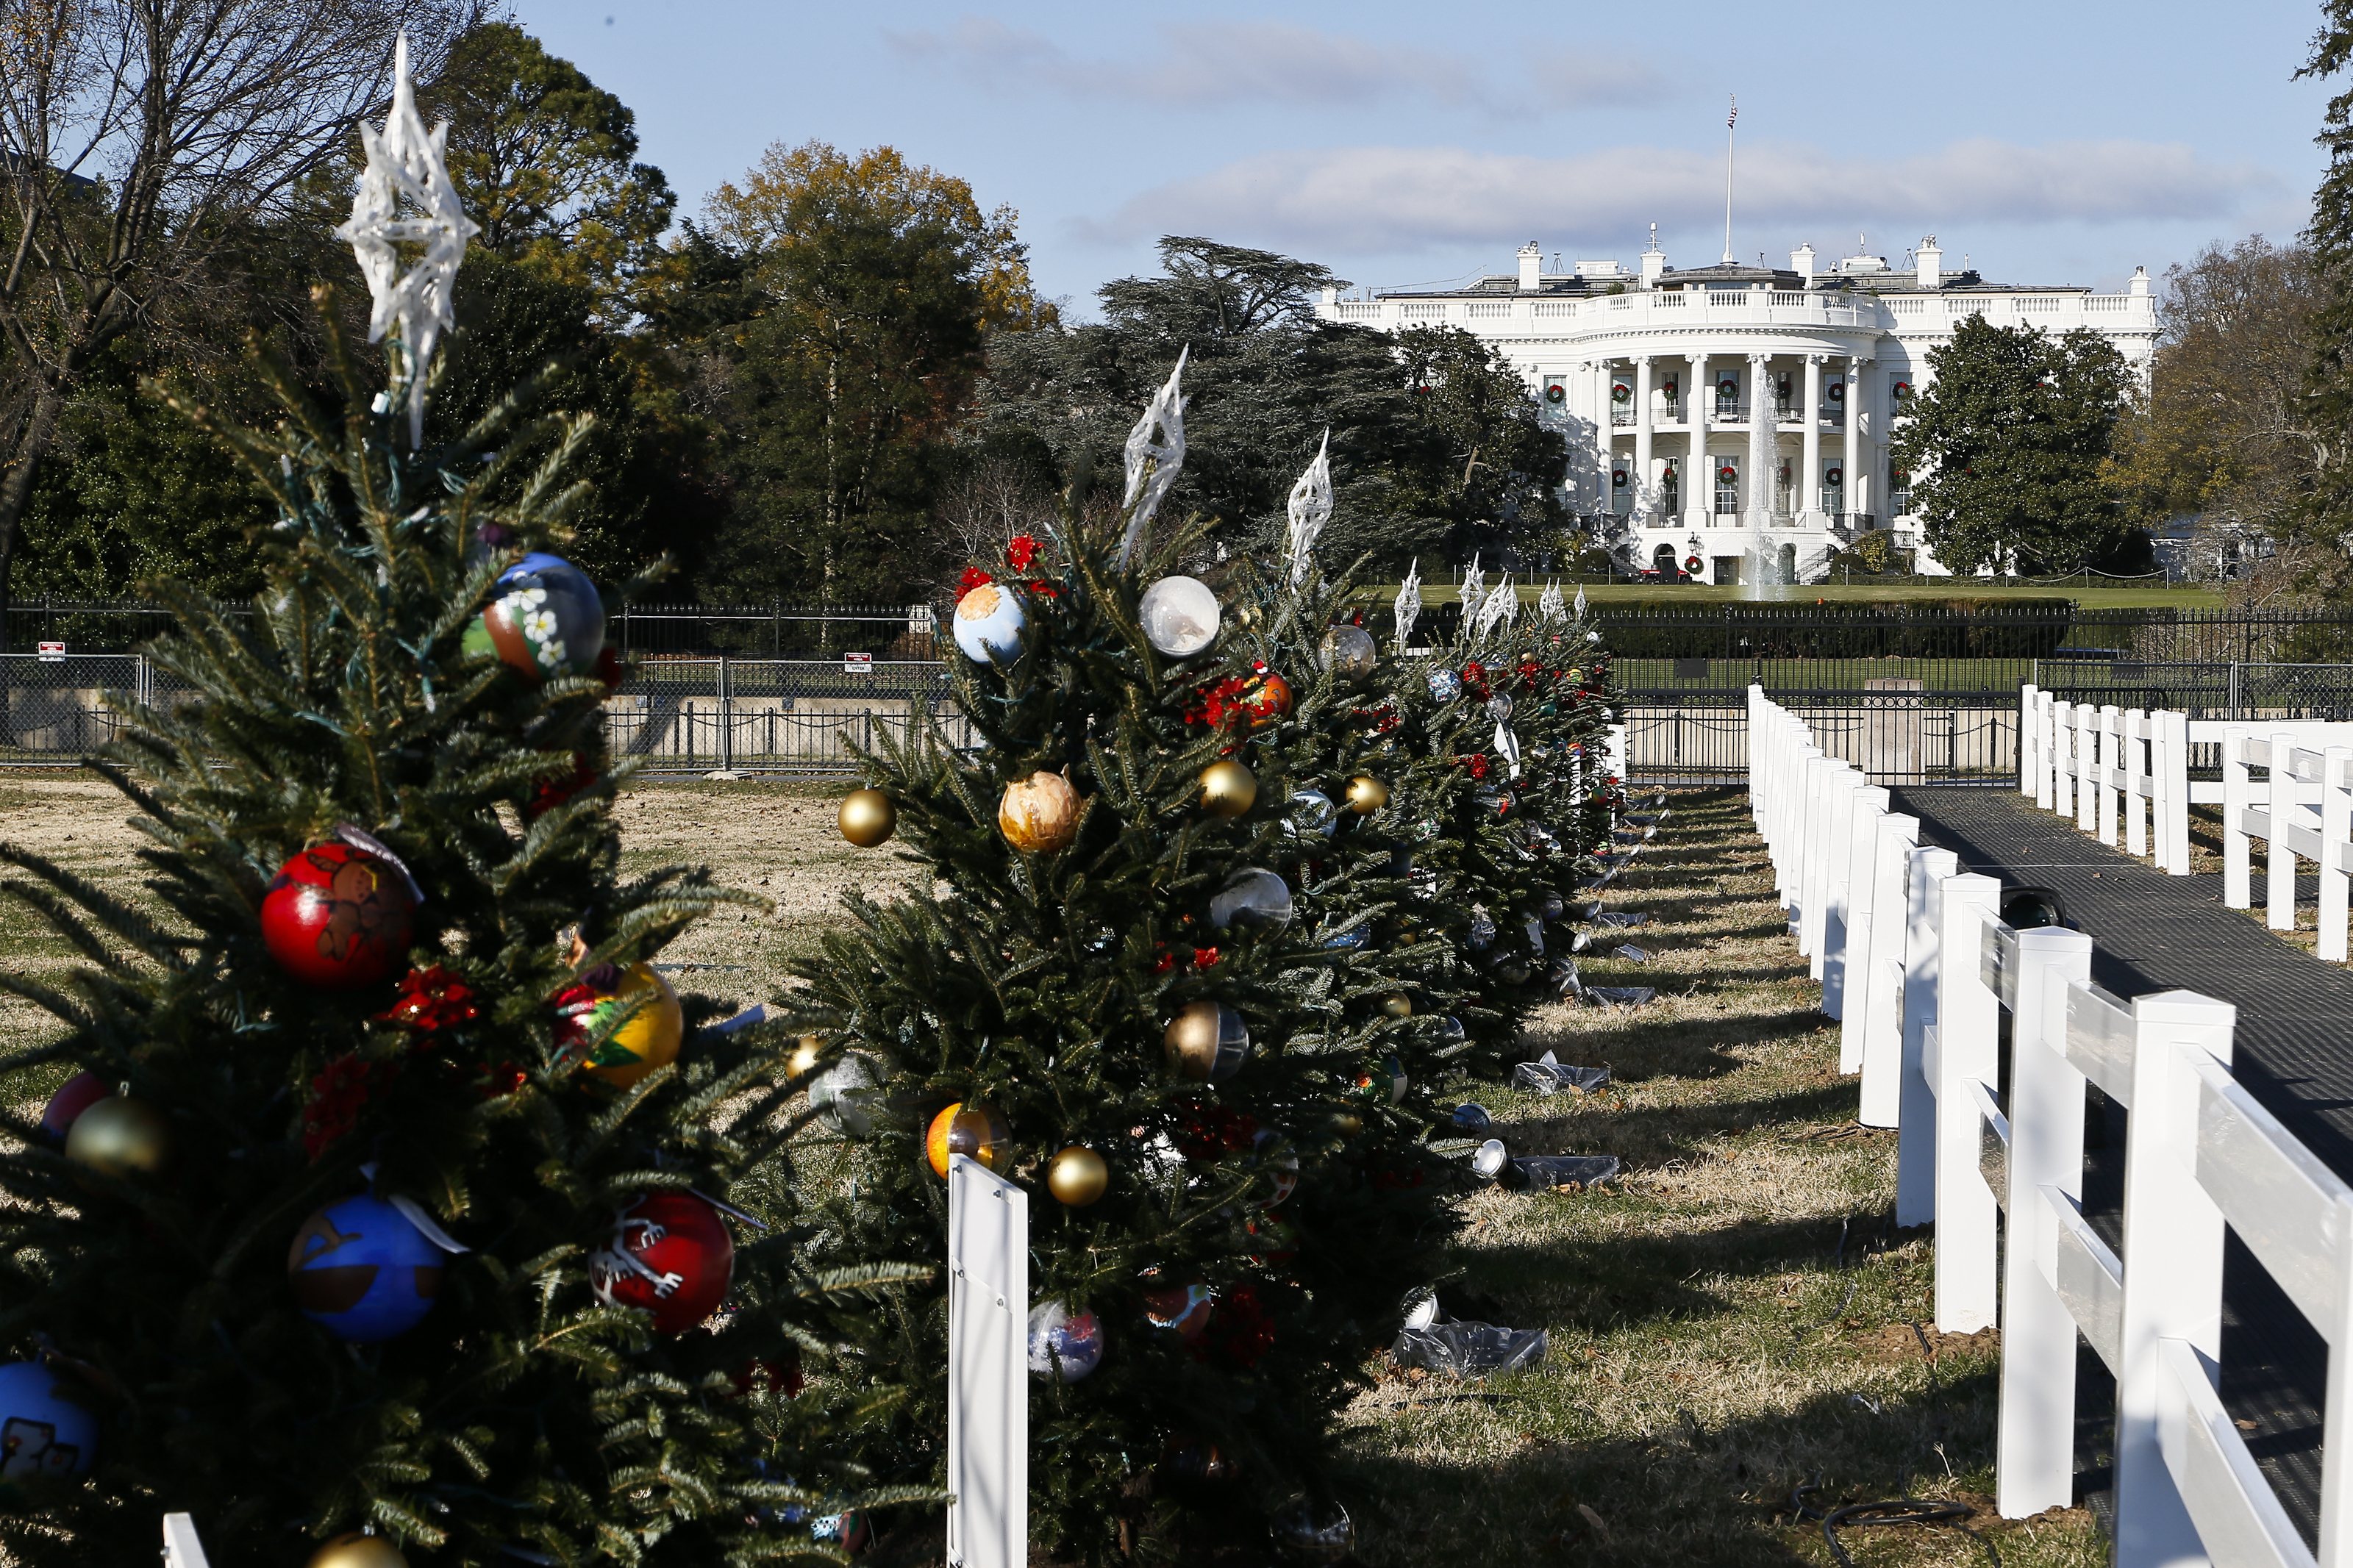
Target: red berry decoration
[[670, 1253], [337, 916]]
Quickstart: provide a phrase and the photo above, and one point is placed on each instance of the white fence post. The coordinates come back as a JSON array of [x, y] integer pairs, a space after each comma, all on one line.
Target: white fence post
[[1968, 1029], [1881, 980], [1916, 1147], [2036, 1434], [2176, 803], [182, 1549], [2087, 764], [2336, 848], [988, 1369], [2238, 869], [2173, 1266], [2029, 740]]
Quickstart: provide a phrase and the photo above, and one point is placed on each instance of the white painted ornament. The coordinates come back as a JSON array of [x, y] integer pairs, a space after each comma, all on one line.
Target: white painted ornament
[[1473, 592], [1180, 616], [1549, 607], [1409, 603], [1153, 466], [988, 621], [1500, 606], [1310, 509], [405, 159]]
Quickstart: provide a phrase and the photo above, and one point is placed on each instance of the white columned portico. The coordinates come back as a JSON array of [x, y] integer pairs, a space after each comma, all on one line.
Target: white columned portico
[[1851, 460], [1699, 485], [1646, 505], [1760, 444], [1810, 478]]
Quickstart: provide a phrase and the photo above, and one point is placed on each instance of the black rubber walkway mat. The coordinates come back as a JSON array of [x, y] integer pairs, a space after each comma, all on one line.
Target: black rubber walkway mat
[[2293, 1049]]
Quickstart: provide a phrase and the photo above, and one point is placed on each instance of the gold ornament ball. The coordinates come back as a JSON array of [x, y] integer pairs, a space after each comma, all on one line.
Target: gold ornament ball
[[1227, 788], [1366, 794], [1077, 1176], [1039, 814], [1397, 1005], [1347, 1124], [120, 1136], [359, 1552], [980, 1131], [1194, 1039], [868, 818], [805, 1057]]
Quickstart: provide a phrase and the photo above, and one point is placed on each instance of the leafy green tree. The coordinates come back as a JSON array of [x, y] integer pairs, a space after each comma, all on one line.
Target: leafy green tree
[[545, 161], [870, 288], [2006, 448], [1435, 445]]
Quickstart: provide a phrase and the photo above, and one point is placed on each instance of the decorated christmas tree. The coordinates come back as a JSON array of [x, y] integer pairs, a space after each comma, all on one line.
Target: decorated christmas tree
[[394, 1194], [1128, 981]]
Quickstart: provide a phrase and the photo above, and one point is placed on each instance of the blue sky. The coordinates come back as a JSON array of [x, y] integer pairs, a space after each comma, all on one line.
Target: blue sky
[[2053, 142]]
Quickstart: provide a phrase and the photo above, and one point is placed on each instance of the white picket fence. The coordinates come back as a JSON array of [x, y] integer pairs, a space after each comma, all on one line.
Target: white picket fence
[[2107, 767], [2202, 1153]]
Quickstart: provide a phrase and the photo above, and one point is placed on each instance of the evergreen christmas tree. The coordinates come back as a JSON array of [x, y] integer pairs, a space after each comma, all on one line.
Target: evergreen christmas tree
[[393, 1189], [1125, 983]]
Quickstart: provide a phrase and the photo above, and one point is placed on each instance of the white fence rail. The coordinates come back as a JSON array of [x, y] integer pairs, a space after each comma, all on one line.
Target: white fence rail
[[2002, 1174]]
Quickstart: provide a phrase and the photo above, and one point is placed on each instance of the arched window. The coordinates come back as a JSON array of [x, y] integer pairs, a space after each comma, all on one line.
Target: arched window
[[1663, 558]]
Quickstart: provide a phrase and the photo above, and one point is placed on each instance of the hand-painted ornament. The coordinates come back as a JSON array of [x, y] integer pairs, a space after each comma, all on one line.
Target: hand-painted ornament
[[1228, 788], [1064, 1345], [545, 619], [851, 1531], [1266, 699], [978, 1131], [119, 1136], [357, 1551], [669, 1252], [1271, 1240], [1040, 814], [1482, 934], [1310, 815], [988, 621], [1366, 794], [1445, 685], [1349, 939], [1251, 896], [42, 1432], [868, 818], [1313, 1532], [1182, 1309], [1348, 653], [649, 1040], [845, 1094], [1207, 1041], [73, 1097], [1077, 1177], [1179, 615], [1282, 1169], [362, 1270], [337, 916]]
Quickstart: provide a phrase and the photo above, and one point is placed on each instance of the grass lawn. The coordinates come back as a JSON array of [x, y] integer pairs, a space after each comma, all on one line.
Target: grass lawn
[[2121, 596]]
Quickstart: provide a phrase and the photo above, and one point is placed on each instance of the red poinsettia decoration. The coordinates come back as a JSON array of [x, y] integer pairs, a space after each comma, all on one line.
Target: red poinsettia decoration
[[973, 577], [1220, 704], [1020, 550], [431, 999], [1210, 1133], [333, 1109], [549, 793], [1204, 957], [1476, 761]]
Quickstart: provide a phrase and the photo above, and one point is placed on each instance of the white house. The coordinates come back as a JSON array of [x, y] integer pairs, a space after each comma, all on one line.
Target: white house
[[1732, 414]]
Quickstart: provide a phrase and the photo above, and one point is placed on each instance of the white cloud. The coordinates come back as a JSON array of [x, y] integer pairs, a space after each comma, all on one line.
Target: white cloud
[[1403, 198], [1196, 65]]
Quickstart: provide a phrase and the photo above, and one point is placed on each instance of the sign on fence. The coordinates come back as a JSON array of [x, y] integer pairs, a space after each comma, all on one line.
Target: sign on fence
[[50, 652], [858, 664]]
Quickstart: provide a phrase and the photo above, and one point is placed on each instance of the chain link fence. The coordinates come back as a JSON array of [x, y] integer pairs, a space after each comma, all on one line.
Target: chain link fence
[[682, 715]]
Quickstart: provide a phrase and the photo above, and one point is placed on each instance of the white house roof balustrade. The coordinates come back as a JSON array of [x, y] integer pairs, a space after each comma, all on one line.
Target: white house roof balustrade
[[1732, 420]]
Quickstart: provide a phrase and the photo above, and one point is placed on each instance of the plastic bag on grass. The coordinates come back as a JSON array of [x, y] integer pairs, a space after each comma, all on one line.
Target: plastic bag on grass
[[1468, 1350], [1621, 995], [1577, 1170], [1549, 1076]]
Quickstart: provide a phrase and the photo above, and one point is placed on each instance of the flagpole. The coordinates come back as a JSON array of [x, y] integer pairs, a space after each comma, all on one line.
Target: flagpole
[[1728, 121]]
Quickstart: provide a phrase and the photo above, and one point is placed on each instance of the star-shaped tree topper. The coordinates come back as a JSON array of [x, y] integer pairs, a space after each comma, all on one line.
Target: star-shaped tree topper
[[404, 159]]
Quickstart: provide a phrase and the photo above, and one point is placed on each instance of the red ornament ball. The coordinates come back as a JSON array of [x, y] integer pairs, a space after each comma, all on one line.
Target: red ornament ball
[[668, 1252], [338, 916], [78, 1094], [1266, 698]]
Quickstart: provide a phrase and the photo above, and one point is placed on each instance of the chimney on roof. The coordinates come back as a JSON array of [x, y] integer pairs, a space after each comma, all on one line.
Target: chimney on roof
[[1801, 262], [1531, 267], [1932, 263], [2140, 280]]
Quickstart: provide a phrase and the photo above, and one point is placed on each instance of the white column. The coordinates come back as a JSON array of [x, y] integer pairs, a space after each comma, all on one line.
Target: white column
[[1809, 480], [1645, 491], [1760, 444], [1699, 485], [1601, 435], [1852, 458]]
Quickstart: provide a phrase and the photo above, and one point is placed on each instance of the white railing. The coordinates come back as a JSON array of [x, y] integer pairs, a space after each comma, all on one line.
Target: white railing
[[1614, 313], [2201, 1155], [2105, 765]]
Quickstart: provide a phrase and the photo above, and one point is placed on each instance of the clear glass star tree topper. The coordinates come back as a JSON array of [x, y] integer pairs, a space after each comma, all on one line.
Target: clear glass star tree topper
[[407, 164]]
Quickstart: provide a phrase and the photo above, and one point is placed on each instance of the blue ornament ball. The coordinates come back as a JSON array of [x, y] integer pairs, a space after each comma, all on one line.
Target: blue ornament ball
[[361, 1271], [42, 1432], [545, 619], [1064, 1345], [988, 621], [1445, 685]]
